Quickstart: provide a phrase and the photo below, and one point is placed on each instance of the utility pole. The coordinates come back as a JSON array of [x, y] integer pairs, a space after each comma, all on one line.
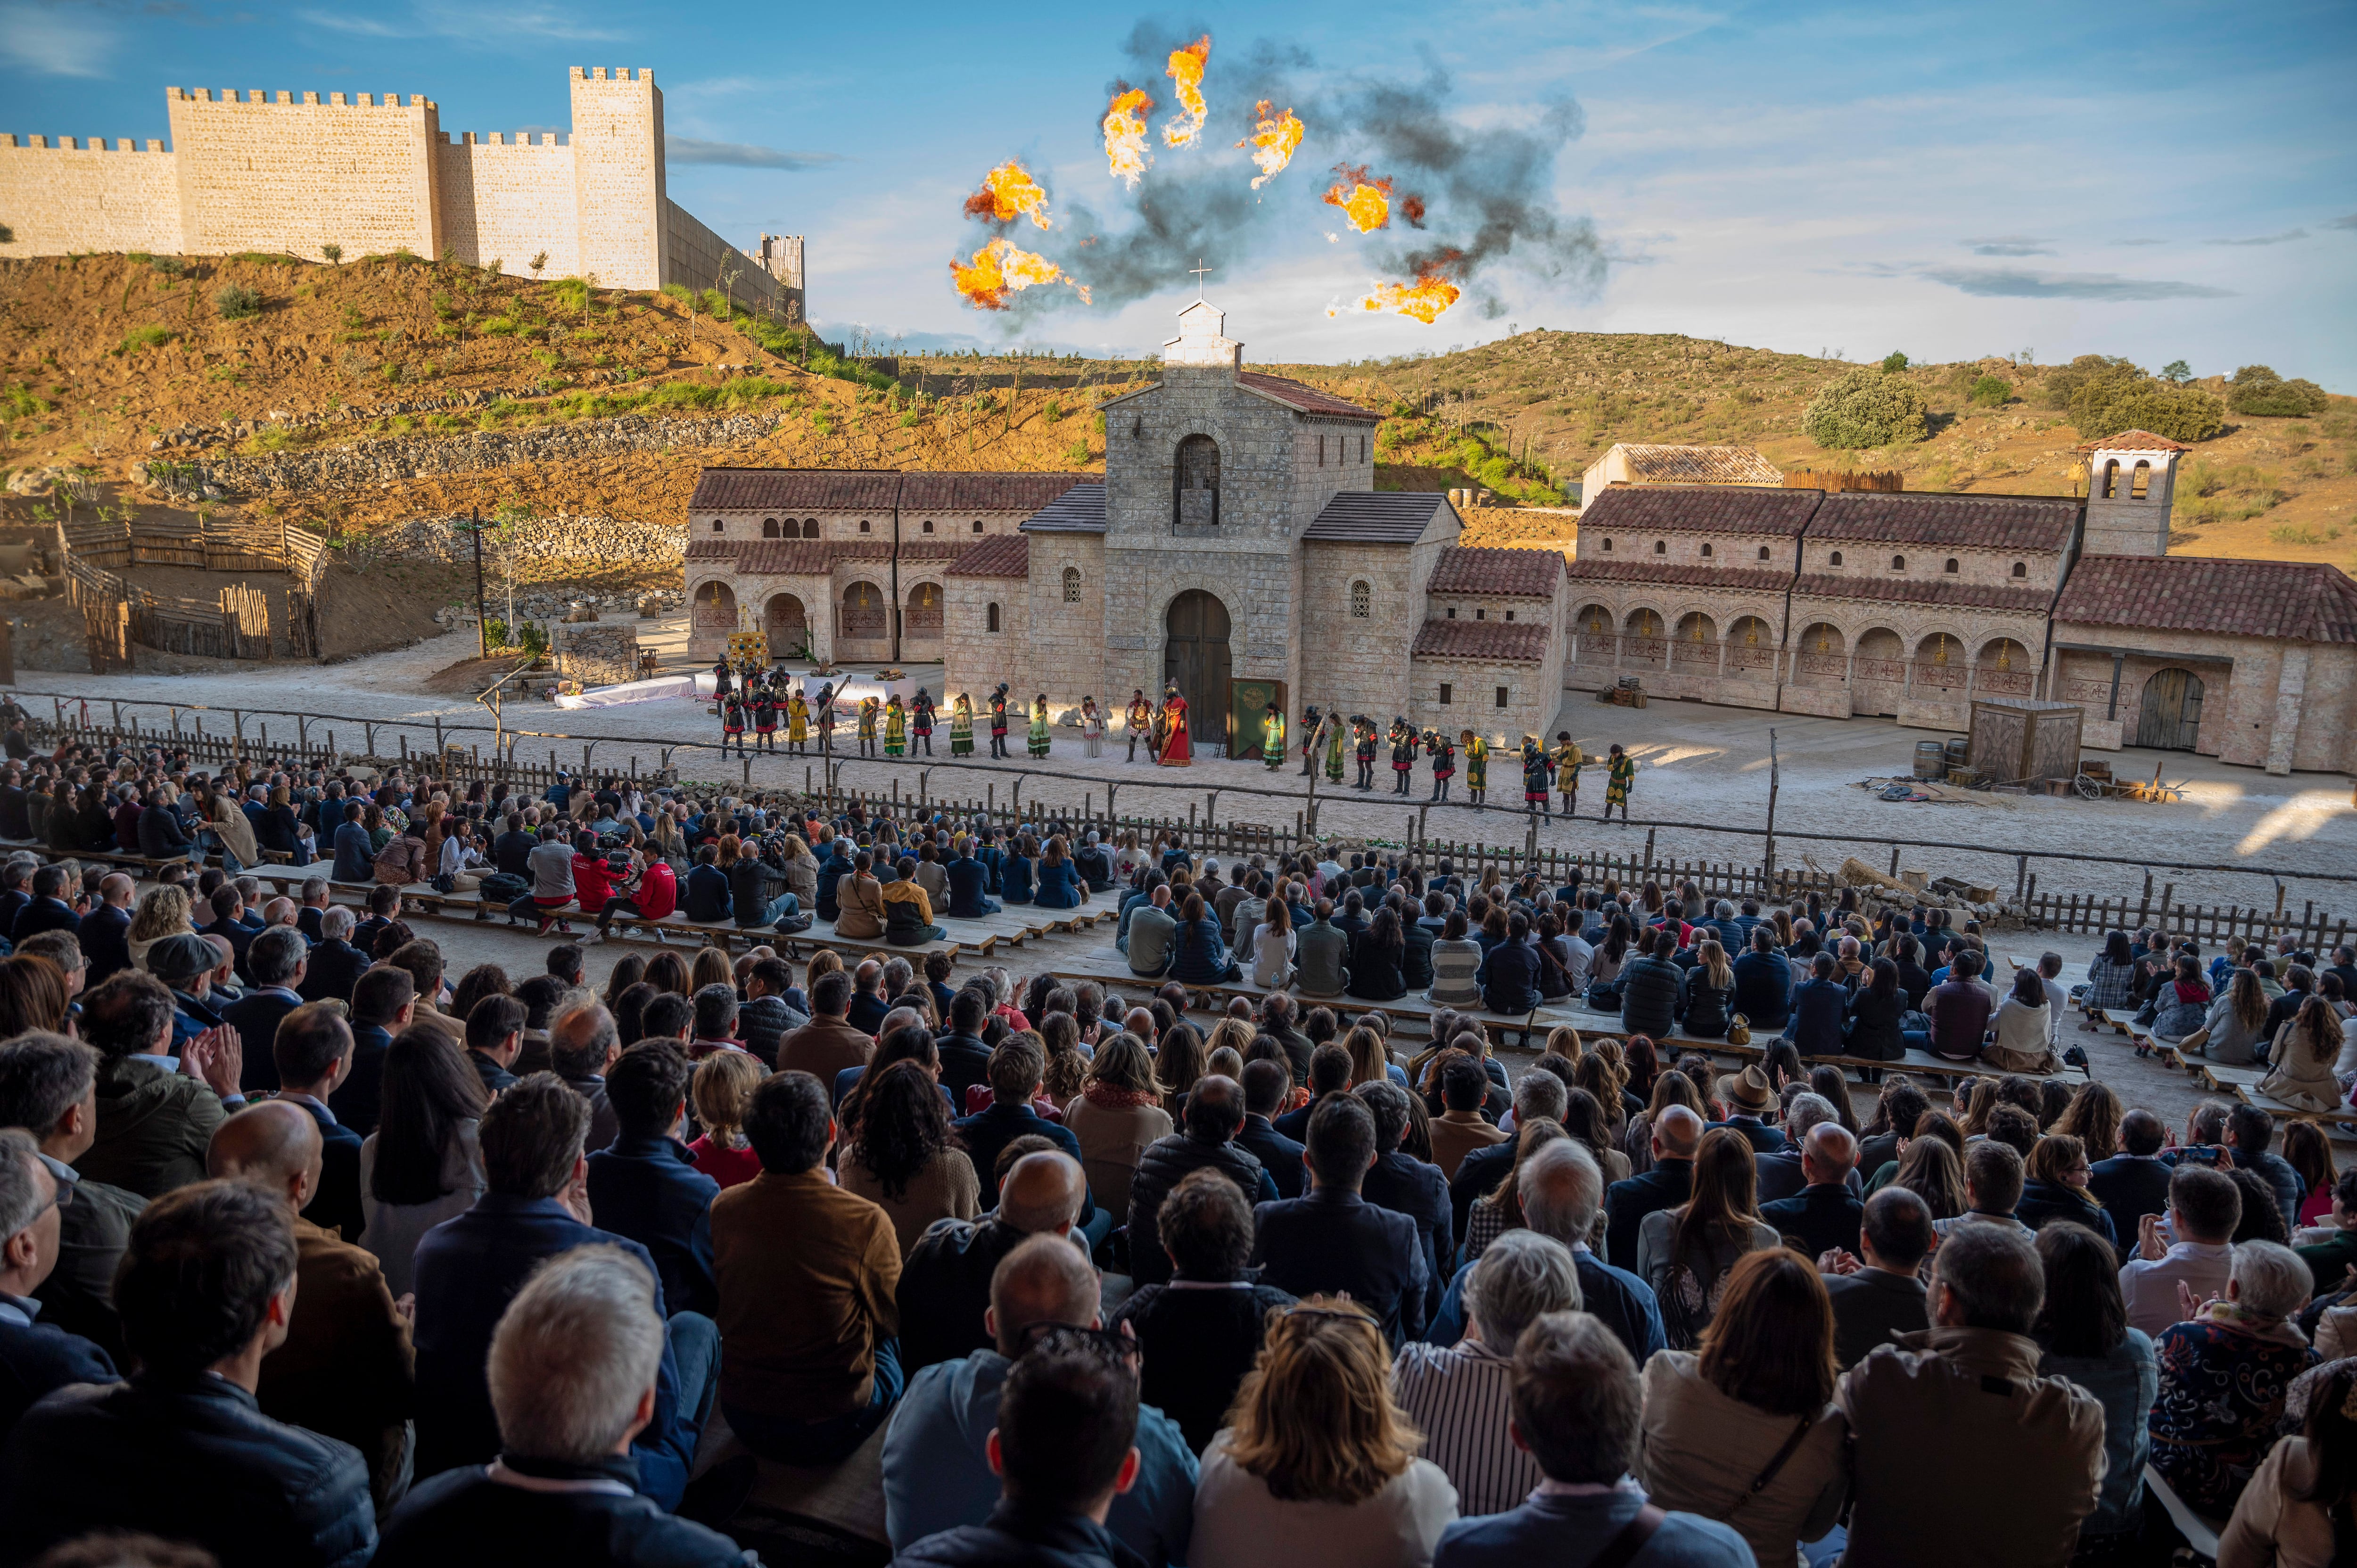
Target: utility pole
[[1775, 779], [483, 624]]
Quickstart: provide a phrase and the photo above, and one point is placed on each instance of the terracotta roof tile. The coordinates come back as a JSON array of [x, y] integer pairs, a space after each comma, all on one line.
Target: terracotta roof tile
[[1653, 464], [787, 557], [711, 548], [1000, 556], [1297, 394], [1920, 591], [2135, 441], [1688, 575], [795, 489], [1517, 642], [936, 546], [2314, 603], [1500, 573], [1985, 523], [957, 492], [1080, 509], [1700, 509], [1376, 517]]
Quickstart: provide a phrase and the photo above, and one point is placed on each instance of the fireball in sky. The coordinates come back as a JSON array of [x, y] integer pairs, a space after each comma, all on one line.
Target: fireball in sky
[[1186, 73], [1365, 200], [1274, 137], [1423, 299], [1125, 134], [999, 270], [1009, 192]]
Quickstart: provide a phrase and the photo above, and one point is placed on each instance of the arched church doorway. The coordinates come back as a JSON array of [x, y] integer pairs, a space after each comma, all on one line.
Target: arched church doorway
[[788, 624], [2170, 714], [1195, 658]]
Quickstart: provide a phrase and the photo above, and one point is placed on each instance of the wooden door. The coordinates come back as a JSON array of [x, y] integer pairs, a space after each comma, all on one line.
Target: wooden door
[[1195, 656], [2170, 714]]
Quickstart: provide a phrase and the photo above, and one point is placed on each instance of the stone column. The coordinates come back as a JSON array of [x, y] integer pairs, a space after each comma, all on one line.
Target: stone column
[[2291, 691]]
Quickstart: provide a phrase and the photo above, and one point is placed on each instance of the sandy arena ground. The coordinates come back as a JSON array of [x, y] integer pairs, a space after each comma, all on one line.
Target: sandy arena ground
[[1700, 765]]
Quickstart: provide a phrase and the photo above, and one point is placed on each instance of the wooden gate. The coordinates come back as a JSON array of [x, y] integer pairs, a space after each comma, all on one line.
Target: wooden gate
[[302, 624], [246, 613], [2170, 717], [1195, 658], [108, 627]]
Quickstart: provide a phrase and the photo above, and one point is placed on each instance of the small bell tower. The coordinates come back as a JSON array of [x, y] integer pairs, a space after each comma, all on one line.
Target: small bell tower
[[2131, 484]]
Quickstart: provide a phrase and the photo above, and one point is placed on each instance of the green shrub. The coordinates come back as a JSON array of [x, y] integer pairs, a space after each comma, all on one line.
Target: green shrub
[[334, 253], [2294, 533], [1864, 407], [149, 336], [236, 302], [2105, 405], [1893, 362], [2259, 391], [1989, 391]]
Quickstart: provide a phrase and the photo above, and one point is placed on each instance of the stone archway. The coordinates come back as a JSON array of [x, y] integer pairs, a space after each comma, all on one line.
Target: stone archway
[[1195, 658], [2168, 715], [787, 621]]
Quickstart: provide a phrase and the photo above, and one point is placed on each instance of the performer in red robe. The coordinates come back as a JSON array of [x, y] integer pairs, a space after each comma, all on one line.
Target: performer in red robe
[[1177, 751]]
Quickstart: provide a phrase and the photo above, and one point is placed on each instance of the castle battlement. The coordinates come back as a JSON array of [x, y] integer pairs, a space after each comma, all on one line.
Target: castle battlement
[[590, 201]]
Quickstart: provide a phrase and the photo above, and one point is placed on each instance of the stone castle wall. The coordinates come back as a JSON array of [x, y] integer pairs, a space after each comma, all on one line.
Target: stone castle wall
[[289, 173]]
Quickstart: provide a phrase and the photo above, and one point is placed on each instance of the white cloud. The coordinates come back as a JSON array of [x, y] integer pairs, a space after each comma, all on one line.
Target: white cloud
[[741, 155], [55, 40]]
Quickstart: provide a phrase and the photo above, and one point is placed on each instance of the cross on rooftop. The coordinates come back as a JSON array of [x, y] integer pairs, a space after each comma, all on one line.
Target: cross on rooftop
[[1198, 269]]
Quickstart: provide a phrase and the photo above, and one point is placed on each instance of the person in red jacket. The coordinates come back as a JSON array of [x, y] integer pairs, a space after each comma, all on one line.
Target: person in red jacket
[[651, 892]]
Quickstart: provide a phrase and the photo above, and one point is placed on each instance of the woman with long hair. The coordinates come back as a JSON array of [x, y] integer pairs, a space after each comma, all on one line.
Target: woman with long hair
[[1983, 1100], [33, 998], [2305, 1048], [667, 972], [1598, 1073], [2306, 1151], [2019, 1038], [1273, 947], [1060, 885], [1827, 1083], [1500, 1209], [163, 912], [711, 968], [2083, 1330], [1932, 1170], [1316, 1467], [906, 1159], [1874, 1010], [1684, 1253], [1370, 1063], [2055, 1188], [422, 1165], [1640, 1062], [1583, 1118], [1378, 958], [1709, 986], [2111, 975], [1178, 1062], [2093, 1118], [1745, 1430], [629, 970], [1118, 1116], [2234, 1029], [722, 1092]]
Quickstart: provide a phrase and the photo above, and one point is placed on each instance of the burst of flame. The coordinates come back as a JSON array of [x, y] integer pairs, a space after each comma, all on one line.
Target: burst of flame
[[1274, 138], [1009, 192], [1423, 299], [1365, 200], [1186, 71], [999, 269], [1412, 208], [1125, 134]]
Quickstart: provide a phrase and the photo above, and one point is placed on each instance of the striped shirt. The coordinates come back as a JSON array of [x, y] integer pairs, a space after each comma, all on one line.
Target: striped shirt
[[1460, 1397]]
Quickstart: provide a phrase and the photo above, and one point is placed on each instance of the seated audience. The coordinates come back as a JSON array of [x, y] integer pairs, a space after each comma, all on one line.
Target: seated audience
[[36, 1357], [2224, 1372], [1333, 1242], [1878, 1294], [944, 1286], [49, 1086], [645, 1185]]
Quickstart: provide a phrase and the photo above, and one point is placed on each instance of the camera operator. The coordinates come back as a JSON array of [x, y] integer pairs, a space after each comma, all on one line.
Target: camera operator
[[756, 889]]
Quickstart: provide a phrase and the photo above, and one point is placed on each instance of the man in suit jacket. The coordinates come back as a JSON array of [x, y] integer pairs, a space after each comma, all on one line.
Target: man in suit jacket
[[314, 909], [827, 1044], [313, 1051], [1333, 1240], [335, 965], [49, 910], [965, 1060], [1677, 1132], [1267, 1086], [48, 1085], [35, 1357], [1824, 1215], [1876, 1293], [275, 960], [226, 907], [101, 933], [1017, 1070], [1406, 1185], [2133, 1182], [383, 1002]]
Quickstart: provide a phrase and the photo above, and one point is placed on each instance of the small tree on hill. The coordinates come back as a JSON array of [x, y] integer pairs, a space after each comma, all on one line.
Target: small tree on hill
[[2258, 391], [334, 253], [2106, 396], [2177, 370], [1864, 407], [1990, 391], [1893, 362]]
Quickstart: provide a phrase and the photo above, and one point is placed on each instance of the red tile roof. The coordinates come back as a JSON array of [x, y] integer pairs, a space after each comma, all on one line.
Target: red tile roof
[[1985, 523], [1500, 572], [794, 490], [712, 549], [1920, 591], [1516, 642], [2135, 441], [787, 557], [968, 492], [1699, 508], [2314, 603], [1688, 575], [936, 546], [1307, 399], [999, 555]]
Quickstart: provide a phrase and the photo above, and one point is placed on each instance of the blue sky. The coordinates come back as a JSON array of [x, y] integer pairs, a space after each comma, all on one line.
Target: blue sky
[[2156, 180]]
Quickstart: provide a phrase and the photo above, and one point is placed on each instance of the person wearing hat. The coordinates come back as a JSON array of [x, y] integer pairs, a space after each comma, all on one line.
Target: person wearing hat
[[920, 723], [998, 720], [732, 724], [1619, 778], [825, 709], [1403, 741], [1310, 741], [185, 963], [1176, 752], [1536, 778], [869, 708], [765, 717], [1749, 1099], [1568, 759], [1444, 761]]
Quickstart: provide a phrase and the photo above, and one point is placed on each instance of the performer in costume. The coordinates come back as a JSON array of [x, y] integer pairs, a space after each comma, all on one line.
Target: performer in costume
[[797, 722], [1402, 740], [1362, 729], [723, 681], [1444, 762], [1141, 723], [765, 718], [920, 720], [732, 724], [868, 708], [1176, 749], [998, 720], [1619, 773], [896, 729], [1334, 749], [1567, 761], [1536, 778], [961, 726], [1308, 740], [1039, 738], [1477, 767], [1272, 738], [824, 708], [1093, 726]]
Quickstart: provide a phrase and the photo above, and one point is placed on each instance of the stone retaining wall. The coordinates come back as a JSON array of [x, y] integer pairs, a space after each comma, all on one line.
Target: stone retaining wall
[[408, 458], [609, 542]]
